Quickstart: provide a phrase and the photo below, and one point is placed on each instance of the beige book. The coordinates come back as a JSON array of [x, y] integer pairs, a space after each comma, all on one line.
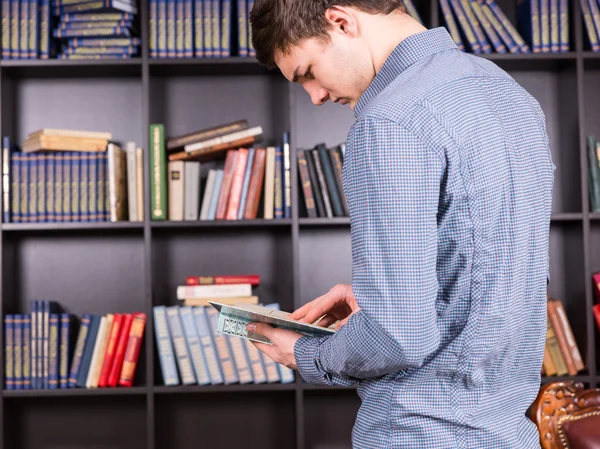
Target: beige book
[[64, 144], [139, 164], [269, 183], [97, 344], [117, 183], [71, 133], [176, 189], [96, 365], [229, 301]]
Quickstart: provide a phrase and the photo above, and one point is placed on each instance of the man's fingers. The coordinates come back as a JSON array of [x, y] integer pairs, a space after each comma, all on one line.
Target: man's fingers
[[268, 350], [302, 311], [327, 320], [261, 328]]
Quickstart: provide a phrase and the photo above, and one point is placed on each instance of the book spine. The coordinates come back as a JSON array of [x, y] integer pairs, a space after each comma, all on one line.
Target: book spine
[[86, 357], [257, 176], [164, 346], [322, 183], [561, 338], [193, 343], [554, 30], [182, 352], [179, 28], [93, 187], [251, 50], [78, 350], [278, 198], [45, 29], [215, 24], [32, 32], [53, 352], [66, 187], [511, 45], [208, 345], [132, 352], [15, 191], [309, 200], [226, 28], [64, 350], [237, 180], [6, 6], [24, 29], [18, 351], [479, 34], [26, 357], [487, 26], [188, 28], [206, 18], [24, 182], [246, 183], [84, 180], [32, 186], [161, 29], [15, 12], [49, 189], [41, 188], [59, 161], [474, 44], [256, 363], [240, 356], [223, 349], [9, 351], [152, 25], [117, 365], [451, 24], [171, 28], [34, 346], [158, 192], [111, 347], [198, 30]]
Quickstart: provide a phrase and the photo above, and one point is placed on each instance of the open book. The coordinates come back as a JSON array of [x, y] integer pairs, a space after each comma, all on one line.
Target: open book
[[234, 318]]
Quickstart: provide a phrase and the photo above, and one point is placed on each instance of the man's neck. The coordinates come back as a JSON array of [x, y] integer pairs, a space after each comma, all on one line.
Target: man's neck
[[385, 33]]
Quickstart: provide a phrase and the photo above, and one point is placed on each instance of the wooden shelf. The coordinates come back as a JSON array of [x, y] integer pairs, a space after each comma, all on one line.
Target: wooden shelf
[[202, 389], [72, 226], [221, 223], [117, 391]]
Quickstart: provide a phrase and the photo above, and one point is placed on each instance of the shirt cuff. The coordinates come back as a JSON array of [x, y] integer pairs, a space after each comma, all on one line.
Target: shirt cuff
[[306, 352]]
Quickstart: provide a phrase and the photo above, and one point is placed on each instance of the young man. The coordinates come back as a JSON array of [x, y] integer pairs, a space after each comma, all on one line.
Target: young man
[[448, 176]]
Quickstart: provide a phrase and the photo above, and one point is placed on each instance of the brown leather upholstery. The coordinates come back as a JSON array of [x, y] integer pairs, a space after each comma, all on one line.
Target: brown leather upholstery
[[567, 416]]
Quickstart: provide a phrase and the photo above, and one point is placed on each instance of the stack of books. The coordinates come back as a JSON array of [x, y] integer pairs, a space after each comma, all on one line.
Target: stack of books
[[561, 353], [61, 175], [590, 9], [320, 174], [481, 26], [219, 174], [97, 29], [192, 352], [49, 348]]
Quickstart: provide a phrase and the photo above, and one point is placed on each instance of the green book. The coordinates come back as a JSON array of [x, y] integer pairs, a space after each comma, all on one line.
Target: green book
[[158, 172]]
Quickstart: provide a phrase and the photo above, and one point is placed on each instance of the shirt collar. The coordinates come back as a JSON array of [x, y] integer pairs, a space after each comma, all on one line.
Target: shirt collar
[[412, 49]]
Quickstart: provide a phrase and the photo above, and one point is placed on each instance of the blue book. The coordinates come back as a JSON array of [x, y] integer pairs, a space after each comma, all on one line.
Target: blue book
[[24, 182], [246, 183], [59, 162], [9, 351], [6, 178], [563, 13], [242, 28], [26, 351], [86, 356], [48, 307], [179, 28], [188, 29], [223, 348], [15, 187], [41, 188], [215, 24], [67, 333], [153, 29], [18, 351], [80, 344], [212, 210], [93, 186], [278, 203], [194, 346], [208, 345], [32, 164], [6, 5], [226, 28], [171, 29], [24, 29], [286, 191], [182, 352], [198, 29], [161, 29], [40, 343], [53, 351], [487, 26], [528, 16], [33, 29], [166, 355], [15, 13], [251, 50], [206, 17]]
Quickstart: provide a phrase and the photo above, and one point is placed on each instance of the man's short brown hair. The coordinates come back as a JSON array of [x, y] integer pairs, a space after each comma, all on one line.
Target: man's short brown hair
[[276, 25]]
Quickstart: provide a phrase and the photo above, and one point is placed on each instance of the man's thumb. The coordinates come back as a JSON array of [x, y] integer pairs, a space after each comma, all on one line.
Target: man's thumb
[[260, 328]]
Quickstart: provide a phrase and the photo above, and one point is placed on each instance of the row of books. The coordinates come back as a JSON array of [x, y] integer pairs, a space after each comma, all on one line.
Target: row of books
[[591, 19], [320, 175], [49, 180], [593, 167], [561, 353], [49, 348], [219, 174], [68, 29], [200, 28], [191, 351]]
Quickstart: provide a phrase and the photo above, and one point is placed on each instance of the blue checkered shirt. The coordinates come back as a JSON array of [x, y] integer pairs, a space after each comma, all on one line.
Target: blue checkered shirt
[[448, 176]]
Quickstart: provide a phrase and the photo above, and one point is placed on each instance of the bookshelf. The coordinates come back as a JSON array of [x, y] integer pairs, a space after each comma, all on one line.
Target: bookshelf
[[108, 267]]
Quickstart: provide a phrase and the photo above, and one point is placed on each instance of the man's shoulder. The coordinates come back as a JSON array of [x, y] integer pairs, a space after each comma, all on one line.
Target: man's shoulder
[[428, 80]]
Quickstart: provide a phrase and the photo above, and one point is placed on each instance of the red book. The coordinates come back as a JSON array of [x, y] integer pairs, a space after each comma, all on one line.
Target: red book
[[596, 309], [228, 170], [115, 369], [109, 356], [256, 182], [253, 279], [235, 195], [133, 349]]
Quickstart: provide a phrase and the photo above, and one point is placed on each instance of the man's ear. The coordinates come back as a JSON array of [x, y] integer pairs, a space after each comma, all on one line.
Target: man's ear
[[342, 20]]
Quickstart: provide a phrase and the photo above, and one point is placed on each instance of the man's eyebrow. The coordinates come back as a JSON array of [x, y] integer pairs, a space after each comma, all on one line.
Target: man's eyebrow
[[295, 77]]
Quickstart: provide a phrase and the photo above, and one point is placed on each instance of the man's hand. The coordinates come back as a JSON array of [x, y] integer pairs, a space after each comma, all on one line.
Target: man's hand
[[282, 349], [335, 305]]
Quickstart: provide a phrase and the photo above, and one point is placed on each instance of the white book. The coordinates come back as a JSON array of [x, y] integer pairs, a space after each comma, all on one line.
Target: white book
[[97, 344], [208, 191], [176, 188], [213, 291], [131, 181], [192, 190], [227, 138]]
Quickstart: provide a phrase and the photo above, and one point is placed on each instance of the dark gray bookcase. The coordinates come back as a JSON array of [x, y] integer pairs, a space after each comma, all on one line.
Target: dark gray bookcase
[[125, 267]]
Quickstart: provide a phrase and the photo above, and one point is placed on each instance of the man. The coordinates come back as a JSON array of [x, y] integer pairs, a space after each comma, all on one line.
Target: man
[[448, 177]]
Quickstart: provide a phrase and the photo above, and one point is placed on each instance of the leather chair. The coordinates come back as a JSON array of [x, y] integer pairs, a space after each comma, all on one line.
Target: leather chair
[[567, 416]]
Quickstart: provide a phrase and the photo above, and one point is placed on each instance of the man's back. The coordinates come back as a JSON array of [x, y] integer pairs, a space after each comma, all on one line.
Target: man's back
[[475, 146]]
